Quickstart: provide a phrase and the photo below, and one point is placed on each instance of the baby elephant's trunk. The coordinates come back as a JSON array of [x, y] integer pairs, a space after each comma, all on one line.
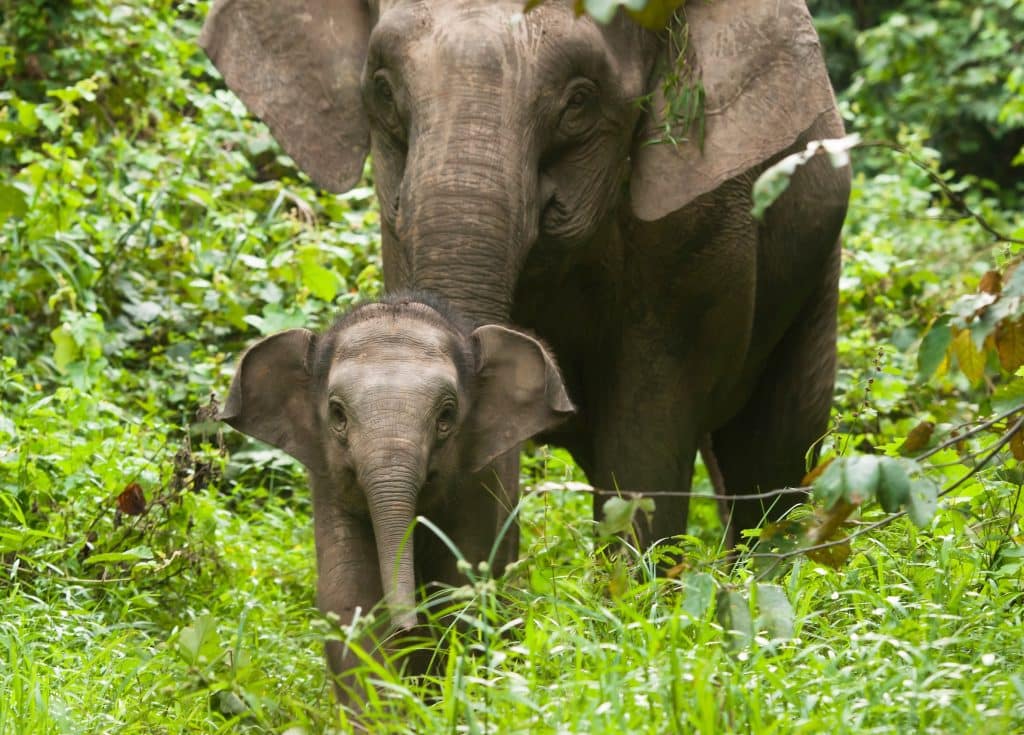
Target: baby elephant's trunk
[[391, 493]]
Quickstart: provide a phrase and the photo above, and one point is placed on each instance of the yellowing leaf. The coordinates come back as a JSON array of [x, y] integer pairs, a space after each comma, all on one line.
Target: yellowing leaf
[[814, 474], [971, 360], [831, 556], [1010, 344], [1017, 446], [618, 581]]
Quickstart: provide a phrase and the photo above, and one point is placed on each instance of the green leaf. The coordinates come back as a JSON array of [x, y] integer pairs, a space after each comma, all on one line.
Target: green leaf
[[321, 282], [933, 348], [775, 613], [861, 475], [50, 118], [773, 182], [66, 347], [733, 612], [618, 514], [830, 485], [698, 593], [653, 14], [601, 10], [13, 204], [199, 642], [139, 553], [1008, 396], [923, 501], [617, 517], [894, 485]]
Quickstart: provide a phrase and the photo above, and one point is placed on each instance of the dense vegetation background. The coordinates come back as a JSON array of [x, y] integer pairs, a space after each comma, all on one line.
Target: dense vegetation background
[[157, 576]]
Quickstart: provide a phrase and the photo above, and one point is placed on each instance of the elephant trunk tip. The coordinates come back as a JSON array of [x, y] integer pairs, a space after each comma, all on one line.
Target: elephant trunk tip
[[403, 621]]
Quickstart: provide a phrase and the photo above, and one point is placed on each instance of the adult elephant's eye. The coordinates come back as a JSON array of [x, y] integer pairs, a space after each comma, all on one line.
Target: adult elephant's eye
[[384, 104], [382, 88], [339, 421], [579, 109]]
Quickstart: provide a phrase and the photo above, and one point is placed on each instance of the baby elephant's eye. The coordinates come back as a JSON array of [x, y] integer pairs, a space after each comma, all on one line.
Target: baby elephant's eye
[[446, 420]]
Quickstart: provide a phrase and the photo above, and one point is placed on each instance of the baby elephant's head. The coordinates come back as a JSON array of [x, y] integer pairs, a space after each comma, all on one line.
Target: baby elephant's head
[[390, 407]]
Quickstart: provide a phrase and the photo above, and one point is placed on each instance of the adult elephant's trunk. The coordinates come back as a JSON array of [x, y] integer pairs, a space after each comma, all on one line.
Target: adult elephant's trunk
[[391, 491], [468, 214]]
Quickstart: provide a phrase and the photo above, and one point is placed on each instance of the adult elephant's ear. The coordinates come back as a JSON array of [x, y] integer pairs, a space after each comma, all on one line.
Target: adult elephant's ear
[[270, 396], [764, 83], [519, 392], [296, 64]]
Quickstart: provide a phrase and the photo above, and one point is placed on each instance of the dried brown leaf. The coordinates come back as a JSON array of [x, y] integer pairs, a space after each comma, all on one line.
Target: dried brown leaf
[[991, 282], [132, 501], [917, 439]]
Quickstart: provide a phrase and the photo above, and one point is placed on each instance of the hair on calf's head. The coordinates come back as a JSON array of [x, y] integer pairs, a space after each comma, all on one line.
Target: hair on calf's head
[[423, 307]]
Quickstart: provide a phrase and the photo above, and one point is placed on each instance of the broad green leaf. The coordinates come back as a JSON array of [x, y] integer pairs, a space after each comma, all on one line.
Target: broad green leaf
[[1008, 395], [733, 613], [13, 203], [830, 485], [775, 613], [229, 703], [894, 485], [66, 350], [922, 502], [861, 475], [617, 517], [618, 514], [933, 348], [698, 593], [601, 10], [321, 282], [653, 14], [199, 642], [139, 553], [50, 118]]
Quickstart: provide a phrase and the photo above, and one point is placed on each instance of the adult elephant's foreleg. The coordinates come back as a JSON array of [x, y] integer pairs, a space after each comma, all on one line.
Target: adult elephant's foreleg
[[644, 441]]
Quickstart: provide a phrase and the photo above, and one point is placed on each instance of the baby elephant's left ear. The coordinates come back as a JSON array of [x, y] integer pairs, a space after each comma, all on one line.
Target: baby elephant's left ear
[[519, 393]]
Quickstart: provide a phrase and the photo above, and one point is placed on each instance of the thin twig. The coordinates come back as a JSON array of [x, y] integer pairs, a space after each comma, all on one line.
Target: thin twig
[[996, 448], [670, 493], [953, 440], [954, 197]]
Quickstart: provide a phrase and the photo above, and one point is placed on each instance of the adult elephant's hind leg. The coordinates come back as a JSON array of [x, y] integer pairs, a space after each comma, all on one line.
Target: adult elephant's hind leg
[[764, 446]]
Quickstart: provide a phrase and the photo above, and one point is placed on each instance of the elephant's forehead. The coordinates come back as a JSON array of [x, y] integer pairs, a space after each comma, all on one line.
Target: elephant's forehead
[[394, 348], [481, 32]]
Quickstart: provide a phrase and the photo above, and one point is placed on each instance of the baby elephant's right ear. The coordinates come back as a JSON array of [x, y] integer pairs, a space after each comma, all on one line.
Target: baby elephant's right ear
[[271, 397], [520, 393]]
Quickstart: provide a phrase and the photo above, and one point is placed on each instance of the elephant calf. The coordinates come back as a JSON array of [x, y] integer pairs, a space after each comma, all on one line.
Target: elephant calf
[[399, 409]]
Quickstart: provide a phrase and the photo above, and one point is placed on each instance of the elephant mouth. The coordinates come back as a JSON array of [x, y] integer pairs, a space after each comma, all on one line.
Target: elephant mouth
[[555, 216], [561, 222]]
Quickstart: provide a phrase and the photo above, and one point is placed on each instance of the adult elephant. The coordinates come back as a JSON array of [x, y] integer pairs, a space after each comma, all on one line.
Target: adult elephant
[[516, 176]]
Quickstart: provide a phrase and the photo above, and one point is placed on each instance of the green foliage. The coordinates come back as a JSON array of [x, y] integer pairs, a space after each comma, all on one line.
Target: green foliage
[[949, 69], [158, 576]]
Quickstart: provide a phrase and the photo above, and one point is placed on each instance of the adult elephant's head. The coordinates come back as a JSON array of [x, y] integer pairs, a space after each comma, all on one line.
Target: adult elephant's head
[[493, 130]]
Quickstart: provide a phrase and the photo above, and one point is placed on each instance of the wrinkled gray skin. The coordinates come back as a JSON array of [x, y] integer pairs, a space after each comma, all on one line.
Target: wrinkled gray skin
[[510, 161], [398, 411]]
